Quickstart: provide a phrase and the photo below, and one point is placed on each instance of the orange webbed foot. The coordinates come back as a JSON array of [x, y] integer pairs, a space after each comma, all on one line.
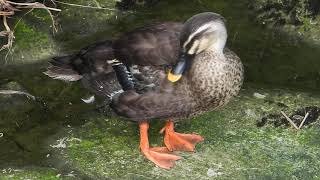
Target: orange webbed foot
[[160, 156], [180, 142]]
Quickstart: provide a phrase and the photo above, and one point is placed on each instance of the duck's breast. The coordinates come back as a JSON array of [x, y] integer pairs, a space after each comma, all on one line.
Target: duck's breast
[[214, 79]]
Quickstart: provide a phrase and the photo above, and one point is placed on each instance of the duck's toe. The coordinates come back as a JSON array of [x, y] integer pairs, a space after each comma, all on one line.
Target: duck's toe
[[161, 157], [181, 142]]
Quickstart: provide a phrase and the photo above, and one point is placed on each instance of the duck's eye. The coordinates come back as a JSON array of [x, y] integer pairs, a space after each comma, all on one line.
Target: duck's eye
[[194, 40], [194, 47], [199, 43]]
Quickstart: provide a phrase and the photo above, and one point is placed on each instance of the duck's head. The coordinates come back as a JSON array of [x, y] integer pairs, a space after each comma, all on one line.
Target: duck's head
[[202, 32]]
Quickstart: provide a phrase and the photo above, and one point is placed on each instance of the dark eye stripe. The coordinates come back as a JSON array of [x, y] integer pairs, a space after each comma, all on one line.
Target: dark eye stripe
[[199, 34]]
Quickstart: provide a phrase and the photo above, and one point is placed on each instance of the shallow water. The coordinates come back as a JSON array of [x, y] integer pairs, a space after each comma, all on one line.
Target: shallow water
[[270, 57]]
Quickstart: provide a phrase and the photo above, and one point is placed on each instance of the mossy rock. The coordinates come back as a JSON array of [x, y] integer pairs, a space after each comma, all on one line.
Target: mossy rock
[[234, 147], [14, 107], [269, 56], [35, 38], [32, 174], [298, 17]]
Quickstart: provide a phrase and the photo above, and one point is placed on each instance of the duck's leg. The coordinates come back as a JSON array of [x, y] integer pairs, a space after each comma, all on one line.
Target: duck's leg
[[158, 155], [177, 141]]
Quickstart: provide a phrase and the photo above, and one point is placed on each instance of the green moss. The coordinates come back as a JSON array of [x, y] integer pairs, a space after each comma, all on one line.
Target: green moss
[[234, 147], [25, 123], [30, 44], [26, 36], [31, 173], [79, 25], [41, 16], [290, 15]]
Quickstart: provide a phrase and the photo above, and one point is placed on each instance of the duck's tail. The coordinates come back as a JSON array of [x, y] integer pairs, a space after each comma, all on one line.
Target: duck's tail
[[91, 65], [63, 68], [90, 60]]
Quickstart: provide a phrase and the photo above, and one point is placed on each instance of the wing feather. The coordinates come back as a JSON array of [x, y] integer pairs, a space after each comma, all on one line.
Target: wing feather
[[140, 107], [152, 45]]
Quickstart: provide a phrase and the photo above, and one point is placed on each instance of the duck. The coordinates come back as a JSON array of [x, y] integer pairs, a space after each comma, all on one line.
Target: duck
[[168, 72]]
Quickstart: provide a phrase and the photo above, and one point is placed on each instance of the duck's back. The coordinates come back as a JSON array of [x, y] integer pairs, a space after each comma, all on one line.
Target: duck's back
[[148, 48], [151, 45]]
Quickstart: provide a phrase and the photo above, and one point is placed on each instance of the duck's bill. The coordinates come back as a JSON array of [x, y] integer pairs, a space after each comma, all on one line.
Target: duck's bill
[[177, 71], [174, 77]]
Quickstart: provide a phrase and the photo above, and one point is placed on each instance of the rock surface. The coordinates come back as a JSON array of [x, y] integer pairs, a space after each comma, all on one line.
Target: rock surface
[[269, 55], [35, 39], [234, 147], [32, 174], [60, 136], [301, 17]]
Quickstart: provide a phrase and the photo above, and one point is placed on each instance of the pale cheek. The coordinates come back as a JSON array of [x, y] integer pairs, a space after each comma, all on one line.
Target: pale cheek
[[202, 45], [194, 47]]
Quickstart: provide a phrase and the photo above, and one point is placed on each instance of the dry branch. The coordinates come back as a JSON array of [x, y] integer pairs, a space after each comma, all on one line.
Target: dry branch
[[304, 119], [84, 6], [288, 119], [8, 8], [7, 33], [33, 5]]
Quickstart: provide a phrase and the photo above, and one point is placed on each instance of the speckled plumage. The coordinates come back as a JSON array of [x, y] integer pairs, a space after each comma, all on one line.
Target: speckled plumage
[[213, 78], [210, 83]]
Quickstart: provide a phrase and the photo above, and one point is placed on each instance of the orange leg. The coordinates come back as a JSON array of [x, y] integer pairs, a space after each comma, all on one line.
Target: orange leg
[[158, 155], [177, 141]]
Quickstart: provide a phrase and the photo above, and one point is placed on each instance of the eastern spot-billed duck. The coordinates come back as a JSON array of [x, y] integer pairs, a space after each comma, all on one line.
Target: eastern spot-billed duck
[[168, 71]]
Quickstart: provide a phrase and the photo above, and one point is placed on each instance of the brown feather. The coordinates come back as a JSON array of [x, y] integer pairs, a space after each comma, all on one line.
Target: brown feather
[[151, 45]]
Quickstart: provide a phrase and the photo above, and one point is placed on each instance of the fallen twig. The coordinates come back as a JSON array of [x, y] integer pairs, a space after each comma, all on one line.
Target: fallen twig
[[17, 92], [33, 5], [7, 33], [304, 119], [290, 121], [84, 6]]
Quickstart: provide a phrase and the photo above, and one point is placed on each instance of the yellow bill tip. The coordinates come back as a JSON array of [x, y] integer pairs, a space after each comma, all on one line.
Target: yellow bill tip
[[173, 77]]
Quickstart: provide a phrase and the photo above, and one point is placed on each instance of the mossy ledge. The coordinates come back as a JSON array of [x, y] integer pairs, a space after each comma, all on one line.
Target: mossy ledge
[[234, 148]]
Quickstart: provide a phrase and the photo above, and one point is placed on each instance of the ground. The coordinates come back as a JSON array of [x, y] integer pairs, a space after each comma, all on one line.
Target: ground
[[270, 54], [235, 146], [57, 136], [36, 173]]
